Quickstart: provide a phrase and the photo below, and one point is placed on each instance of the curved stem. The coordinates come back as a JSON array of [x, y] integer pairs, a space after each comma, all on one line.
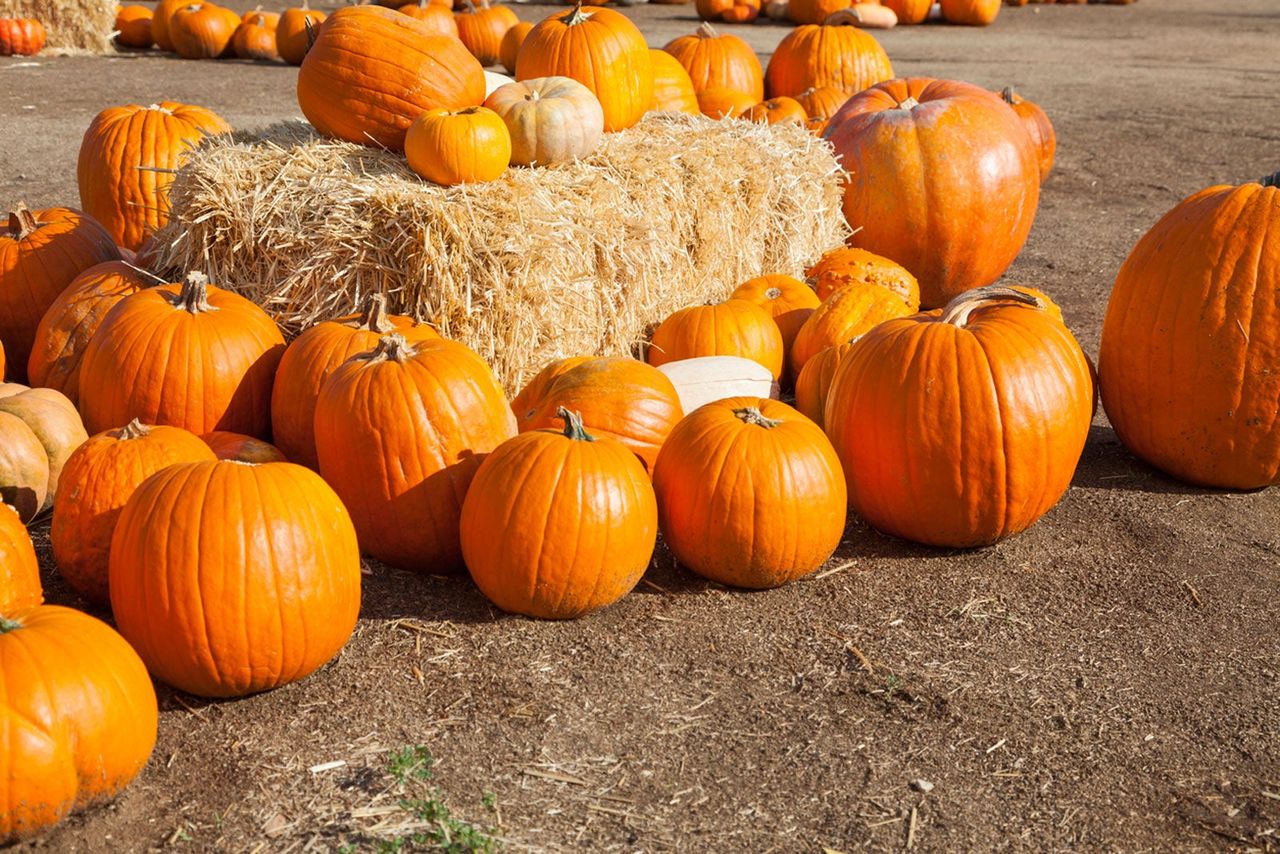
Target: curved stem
[[706, 31], [194, 296], [573, 428], [7, 625], [753, 415], [575, 17], [393, 348], [22, 222], [1272, 180], [958, 310], [375, 315], [135, 429], [1008, 95]]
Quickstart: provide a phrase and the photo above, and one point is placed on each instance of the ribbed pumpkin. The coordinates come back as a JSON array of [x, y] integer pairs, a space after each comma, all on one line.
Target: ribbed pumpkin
[[621, 398], [789, 302], [551, 120], [312, 356], [728, 11], [750, 493], [119, 158], [41, 252], [509, 50], [813, 383], [672, 87], [56, 425], [850, 265], [160, 21], [255, 38], [721, 103], [21, 36], [816, 55], [69, 324], [481, 27], [734, 327], [292, 37], [851, 311], [133, 26], [24, 467], [777, 111], [437, 16], [272, 19], [372, 71], [559, 523], [19, 570], [241, 448], [400, 431], [716, 61], [814, 11], [191, 355], [1038, 126], [202, 30], [96, 483], [78, 717], [1188, 363], [452, 147], [256, 595], [820, 104], [973, 13], [602, 50], [944, 180], [961, 427], [909, 11]]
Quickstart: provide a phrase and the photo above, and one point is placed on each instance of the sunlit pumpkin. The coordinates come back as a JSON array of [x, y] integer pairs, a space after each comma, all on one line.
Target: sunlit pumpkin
[[509, 50], [551, 120], [1038, 126], [816, 55], [202, 30], [296, 31], [734, 327], [133, 26], [672, 87], [459, 146], [851, 311], [19, 571], [777, 111], [849, 265], [481, 27], [719, 61], [789, 302]]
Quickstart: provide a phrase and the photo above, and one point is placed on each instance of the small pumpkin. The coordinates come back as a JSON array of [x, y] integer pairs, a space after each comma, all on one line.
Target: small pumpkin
[[481, 27], [777, 111], [296, 31], [437, 16], [972, 13], [551, 120], [820, 104], [133, 26], [241, 448], [728, 11], [849, 265], [716, 61], [202, 30], [851, 311], [1038, 126], [160, 22], [452, 147], [703, 379], [868, 16], [56, 424], [19, 571], [271, 19], [21, 36], [734, 327], [815, 55], [672, 87], [255, 38], [721, 103], [814, 11], [509, 50], [910, 11], [789, 302], [813, 383]]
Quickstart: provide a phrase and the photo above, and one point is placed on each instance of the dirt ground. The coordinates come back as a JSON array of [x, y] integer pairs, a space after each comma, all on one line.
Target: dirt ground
[[1109, 680]]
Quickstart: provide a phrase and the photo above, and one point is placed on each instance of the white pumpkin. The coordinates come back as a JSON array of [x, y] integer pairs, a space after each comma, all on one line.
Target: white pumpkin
[[868, 16], [494, 81], [551, 119], [711, 378]]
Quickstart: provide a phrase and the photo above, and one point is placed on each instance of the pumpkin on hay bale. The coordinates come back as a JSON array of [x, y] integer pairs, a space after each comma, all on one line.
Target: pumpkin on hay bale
[[73, 26], [541, 264]]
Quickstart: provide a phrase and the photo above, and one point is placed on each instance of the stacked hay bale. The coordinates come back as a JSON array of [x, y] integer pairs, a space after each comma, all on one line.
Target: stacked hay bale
[[73, 26]]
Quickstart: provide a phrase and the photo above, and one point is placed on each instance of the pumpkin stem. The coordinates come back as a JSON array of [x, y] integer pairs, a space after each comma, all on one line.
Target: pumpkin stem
[[194, 296], [575, 17], [1272, 180], [22, 222], [573, 428], [135, 429], [706, 31], [753, 415], [392, 347], [1008, 95], [958, 310], [908, 103], [311, 31], [7, 625], [773, 293], [375, 315]]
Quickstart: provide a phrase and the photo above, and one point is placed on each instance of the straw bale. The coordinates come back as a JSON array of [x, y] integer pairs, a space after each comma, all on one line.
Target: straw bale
[[541, 264], [72, 26]]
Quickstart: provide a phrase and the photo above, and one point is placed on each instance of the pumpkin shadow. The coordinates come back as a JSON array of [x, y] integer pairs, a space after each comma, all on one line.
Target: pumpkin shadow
[[1107, 464], [863, 542], [395, 594]]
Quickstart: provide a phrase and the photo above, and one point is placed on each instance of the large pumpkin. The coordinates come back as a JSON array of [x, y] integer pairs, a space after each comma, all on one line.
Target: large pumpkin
[[559, 523], [201, 30], [602, 50], [245, 599], [296, 31], [716, 61], [41, 252], [672, 87], [127, 158], [734, 327], [481, 27], [552, 120], [750, 493], [960, 427], [1038, 126], [191, 355], [851, 311], [816, 55], [19, 570], [399, 433], [56, 424], [1188, 363], [78, 717], [96, 484], [942, 179], [372, 71], [850, 265]]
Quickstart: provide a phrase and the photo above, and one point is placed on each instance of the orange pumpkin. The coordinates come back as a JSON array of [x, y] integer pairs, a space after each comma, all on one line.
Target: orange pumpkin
[[559, 523], [160, 22], [509, 50], [961, 427], [973, 13], [789, 302], [459, 146], [241, 448], [399, 433], [813, 383], [255, 38], [814, 11], [722, 103], [133, 26], [776, 111], [96, 483], [437, 16], [851, 311], [750, 493], [820, 104], [202, 30], [734, 327], [602, 50], [78, 715], [296, 31], [1188, 358], [481, 28], [672, 86], [1037, 125], [716, 61], [373, 71], [19, 570], [190, 355], [944, 181], [909, 11], [816, 55], [21, 36], [728, 11], [848, 265], [271, 19]]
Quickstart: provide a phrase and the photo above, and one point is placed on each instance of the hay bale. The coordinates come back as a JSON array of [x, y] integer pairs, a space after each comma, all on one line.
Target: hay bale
[[72, 26], [542, 264]]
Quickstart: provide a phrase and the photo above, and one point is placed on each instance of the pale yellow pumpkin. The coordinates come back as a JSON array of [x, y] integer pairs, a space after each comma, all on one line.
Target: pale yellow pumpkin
[[551, 119]]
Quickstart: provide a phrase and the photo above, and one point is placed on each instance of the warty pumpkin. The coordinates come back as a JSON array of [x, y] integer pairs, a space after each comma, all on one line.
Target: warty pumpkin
[[734, 327], [202, 30], [716, 61], [21, 36], [789, 302], [296, 31], [19, 571], [851, 311], [728, 11], [459, 146], [1038, 126], [850, 265], [813, 383], [973, 13], [133, 26], [559, 523], [56, 425], [481, 27], [255, 38], [551, 120], [241, 448], [816, 55], [672, 87], [509, 50]]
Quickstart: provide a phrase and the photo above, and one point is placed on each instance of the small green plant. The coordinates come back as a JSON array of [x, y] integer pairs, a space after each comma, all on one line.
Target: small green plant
[[410, 768], [411, 763]]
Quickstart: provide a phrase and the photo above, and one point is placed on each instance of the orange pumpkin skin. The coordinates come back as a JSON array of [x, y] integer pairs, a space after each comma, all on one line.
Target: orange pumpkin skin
[[509, 50], [750, 493], [192, 356], [131, 202], [728, 11], [814, 11], [1188, 357], [813, 383], [849, 265], [816, 55], [242, 448], [399, 433], [255, 38], [617, 397], [292, 39], [973, 13], [821, 103], [247, 599], [21, 36], [56, 424], [160, 22], [451, 147], [1038, 126], [559, 523], [909, 11], [69, 324], [672, 86], [536, 389], [271, 19], [372, 71], [24, 467], [848, 313], [602, 50], [734, 327], [133, 26], [961, 427], [309, 360], [78, 714], [776, 111], [716, 61], [789, 302], [19, 571], [722, 103], [943, 180], [481, 28], [435, 15], [202, 30], [41, 252], [96, 484]]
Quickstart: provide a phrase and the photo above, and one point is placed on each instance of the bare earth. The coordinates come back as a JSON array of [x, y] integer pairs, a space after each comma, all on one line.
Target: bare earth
[[1109, 680]]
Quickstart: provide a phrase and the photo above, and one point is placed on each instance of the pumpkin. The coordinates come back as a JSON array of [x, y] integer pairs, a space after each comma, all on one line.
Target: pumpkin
[[909, 11], [703, 379], [602, 50], [69, 324], [777, 111], [1187, 363], [19, 570], [750, 493], [191, 355], [160, 22], [820, 104], [296, 32], [437, 16], [246, 449], [728, 11], [559, 523], [56, 424], [509, 50], [133, 26], [973, 13], [777, 10], [252, 597], [399, 433], [493, 81], [481, 28], [24, 467], [459, 146], [312, 356], [373, 71], [789, 302], [816, 55], [869, 16], [849, 265], [618, 397], [1, 362], [96, 483], [716, 61], [721, 103], [21, 37], [734, 327], [271, 19], [78, 713], [814, 11], [551, 120], [255, 38], [813, 383], [41, 252], [672, 87], [960, 427], [849, 312], [126, 163], [1037, 125], [943, 180], [202, 30]]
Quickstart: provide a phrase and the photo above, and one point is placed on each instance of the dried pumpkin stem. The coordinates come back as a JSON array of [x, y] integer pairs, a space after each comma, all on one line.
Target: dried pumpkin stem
[[7, 625], [706, 31], [576, 16], [135, 429], [1007, 94], [1272, 180], [22, 223], [194, 296], [908, 103], [393, 348], [573, 428], [773, 293], [375, 315], [958, 310], [753, 415]]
